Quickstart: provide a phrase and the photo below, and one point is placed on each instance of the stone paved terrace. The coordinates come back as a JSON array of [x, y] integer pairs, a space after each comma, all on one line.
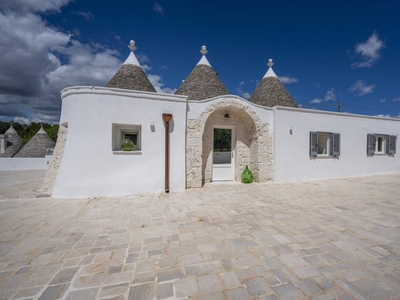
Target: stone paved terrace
[[330, 239]]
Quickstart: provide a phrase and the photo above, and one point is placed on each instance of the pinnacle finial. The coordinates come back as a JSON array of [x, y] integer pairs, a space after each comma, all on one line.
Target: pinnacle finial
[[132, 45], [270, 63], [203, 50]]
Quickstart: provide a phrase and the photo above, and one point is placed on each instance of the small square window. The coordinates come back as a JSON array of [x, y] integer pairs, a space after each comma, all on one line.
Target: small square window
[[120, 131]]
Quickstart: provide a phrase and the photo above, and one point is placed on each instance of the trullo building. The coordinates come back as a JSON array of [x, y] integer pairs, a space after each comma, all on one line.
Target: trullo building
[[204, 134]]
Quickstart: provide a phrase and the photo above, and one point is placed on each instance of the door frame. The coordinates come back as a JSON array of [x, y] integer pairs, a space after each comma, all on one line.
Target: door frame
[[233, 150]]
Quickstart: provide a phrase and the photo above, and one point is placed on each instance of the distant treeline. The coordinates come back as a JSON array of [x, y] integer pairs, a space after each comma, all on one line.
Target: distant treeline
[[26, 132]]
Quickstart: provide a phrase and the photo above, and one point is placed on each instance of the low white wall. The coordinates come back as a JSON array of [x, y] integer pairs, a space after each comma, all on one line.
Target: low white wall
[[20, 164], [293, 163], [90, 168]]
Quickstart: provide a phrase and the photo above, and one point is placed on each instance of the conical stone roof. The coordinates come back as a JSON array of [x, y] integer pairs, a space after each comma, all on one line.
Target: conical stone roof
[[270, 91], [131, 75], [14, 143], [37, 146], [203, 82]]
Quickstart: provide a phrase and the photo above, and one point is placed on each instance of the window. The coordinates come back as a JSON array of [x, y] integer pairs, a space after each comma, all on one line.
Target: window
[[324, 144], [120, 131], [381, 144]]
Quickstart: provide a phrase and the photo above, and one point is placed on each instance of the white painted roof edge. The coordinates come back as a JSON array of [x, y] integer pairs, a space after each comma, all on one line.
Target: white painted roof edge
[[342, 114], [120, 92]]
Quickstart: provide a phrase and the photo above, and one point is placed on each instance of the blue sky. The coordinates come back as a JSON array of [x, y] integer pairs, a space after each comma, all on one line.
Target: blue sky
[[347, 51]]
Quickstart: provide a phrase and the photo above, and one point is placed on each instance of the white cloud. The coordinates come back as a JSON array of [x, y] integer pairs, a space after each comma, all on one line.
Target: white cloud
[[316, 101], [360, 88], [32, 73], [246, 96], [396, 99], [158, 9], [370, 51], [24, 6], [287, 79], [85, 14], [156, 81], [382, 100], [329, 96], [241, 93]]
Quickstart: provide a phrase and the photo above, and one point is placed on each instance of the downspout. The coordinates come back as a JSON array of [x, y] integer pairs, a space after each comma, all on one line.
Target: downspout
[[167, 118]]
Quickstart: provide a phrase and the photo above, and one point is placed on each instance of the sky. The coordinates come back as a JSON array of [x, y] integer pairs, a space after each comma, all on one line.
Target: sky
[[324, 52]]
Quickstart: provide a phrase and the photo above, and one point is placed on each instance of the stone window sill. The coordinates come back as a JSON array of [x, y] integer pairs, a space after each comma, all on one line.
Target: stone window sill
[[120, 152]]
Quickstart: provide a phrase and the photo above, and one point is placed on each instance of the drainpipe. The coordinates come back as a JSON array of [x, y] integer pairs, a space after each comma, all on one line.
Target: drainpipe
[[167, 118]]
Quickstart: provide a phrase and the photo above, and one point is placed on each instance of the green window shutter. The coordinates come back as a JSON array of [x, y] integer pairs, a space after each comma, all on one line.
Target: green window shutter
[[391, 143], [371, 140], [313, 144], [335, 144]]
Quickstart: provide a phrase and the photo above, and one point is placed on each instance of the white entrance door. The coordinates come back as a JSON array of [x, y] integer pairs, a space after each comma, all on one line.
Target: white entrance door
[[223, 154]]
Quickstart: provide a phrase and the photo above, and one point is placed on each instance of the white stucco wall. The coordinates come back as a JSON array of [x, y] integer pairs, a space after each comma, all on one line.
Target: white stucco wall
[[292, 160], [25, 163], [90, 168]]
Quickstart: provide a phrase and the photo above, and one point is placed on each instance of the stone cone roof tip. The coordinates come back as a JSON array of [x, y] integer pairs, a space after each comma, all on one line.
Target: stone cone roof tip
[[131, 75], [203, 82], [37, 145], [14, 143], [270, 91]]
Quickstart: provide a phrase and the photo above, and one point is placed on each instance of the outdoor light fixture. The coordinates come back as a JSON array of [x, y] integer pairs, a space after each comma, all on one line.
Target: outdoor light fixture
[[290, 130], [152, 127]]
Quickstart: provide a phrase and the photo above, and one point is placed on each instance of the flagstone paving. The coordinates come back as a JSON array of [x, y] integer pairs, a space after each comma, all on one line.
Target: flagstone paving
[[328, 239]]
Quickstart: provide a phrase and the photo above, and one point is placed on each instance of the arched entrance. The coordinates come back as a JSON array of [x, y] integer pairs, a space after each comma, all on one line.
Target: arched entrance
[[251, 145]]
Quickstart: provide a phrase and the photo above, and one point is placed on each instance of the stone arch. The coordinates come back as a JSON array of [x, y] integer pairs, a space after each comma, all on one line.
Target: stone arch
[[254, 143]]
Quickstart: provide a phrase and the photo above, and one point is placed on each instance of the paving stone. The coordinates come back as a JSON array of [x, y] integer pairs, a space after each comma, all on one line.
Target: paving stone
[[186, 287], [142, 292], [145, 266], [352, 289], [114, 290], [257, 286], [212, 296], [164, 290], [230, 280], [64, 275], [282, 234], [87, 294], [54, 292], [88, 281], [166, 275], [27, 293], [288, 291], [209, 283], [238, 294], [308, 287], [376, 288]]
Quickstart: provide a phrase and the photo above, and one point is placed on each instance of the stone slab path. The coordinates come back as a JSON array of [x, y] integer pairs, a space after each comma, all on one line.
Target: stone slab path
[[330, 239]]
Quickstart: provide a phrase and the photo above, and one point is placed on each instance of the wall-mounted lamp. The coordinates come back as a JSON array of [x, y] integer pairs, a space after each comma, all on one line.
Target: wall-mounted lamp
[[227, 116], [291, 130], [152, 127]]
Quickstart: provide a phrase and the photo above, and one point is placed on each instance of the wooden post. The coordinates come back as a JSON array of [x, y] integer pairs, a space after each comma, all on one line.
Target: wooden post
[[167, 118]]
